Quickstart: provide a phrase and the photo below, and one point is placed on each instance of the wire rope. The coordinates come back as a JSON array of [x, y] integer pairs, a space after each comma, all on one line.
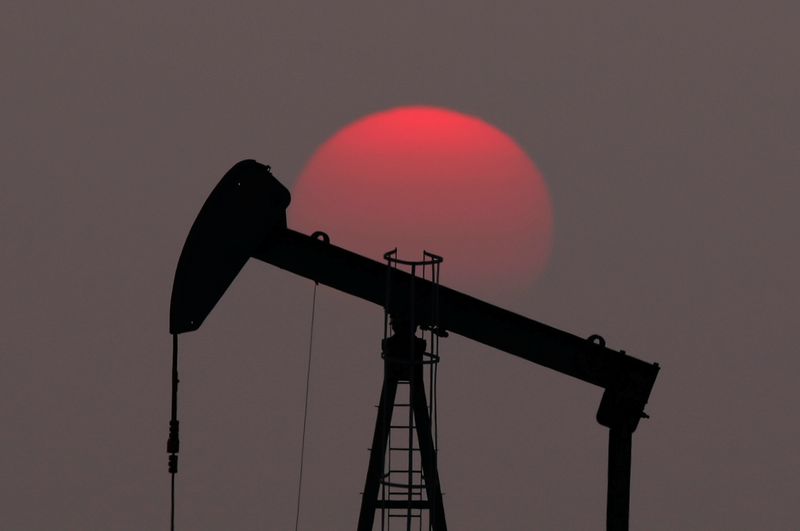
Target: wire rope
[[305, 408], [173, 444]]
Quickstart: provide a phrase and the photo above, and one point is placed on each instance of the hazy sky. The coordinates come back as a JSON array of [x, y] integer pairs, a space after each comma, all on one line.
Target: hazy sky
[[669, 135]]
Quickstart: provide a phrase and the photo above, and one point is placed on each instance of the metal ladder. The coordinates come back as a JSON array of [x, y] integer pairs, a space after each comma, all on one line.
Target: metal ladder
[[402, 479]]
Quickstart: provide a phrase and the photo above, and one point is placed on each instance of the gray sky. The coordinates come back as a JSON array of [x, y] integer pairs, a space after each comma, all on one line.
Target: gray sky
[[668, 135]]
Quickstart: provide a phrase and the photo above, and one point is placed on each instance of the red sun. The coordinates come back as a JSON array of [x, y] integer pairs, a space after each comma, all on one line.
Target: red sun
[[429, 178]]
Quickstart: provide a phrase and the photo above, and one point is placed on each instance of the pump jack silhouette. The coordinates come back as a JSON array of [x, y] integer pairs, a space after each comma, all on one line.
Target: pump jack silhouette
[[245, 217]]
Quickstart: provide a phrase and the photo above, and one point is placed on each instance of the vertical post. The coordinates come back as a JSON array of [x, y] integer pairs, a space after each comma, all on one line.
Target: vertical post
[[619, 479]]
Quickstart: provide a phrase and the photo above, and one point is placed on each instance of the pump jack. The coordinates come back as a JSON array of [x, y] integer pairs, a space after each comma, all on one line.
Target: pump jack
[[245, 217]]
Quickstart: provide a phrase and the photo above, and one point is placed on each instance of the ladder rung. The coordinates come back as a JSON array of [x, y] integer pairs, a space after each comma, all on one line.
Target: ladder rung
[[403, 504], [403, 485]]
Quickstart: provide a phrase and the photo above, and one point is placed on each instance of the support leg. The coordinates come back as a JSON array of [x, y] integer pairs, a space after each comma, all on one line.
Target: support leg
[[377, 455], [428, 456], [619, 479]]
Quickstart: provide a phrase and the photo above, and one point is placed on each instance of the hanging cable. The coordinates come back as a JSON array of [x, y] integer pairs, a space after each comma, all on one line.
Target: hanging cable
[[305, 409], [173, 443]]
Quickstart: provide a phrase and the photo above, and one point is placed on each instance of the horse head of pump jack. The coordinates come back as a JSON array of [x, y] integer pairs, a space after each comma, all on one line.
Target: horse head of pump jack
[[244, 209]]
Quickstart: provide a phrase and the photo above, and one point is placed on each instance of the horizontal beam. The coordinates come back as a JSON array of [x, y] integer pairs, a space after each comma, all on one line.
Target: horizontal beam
[[459, 313]]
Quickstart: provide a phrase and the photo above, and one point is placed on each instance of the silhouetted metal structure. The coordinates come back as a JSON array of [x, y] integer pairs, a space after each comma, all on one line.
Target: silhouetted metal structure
[[244, 217], [402, 477]]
